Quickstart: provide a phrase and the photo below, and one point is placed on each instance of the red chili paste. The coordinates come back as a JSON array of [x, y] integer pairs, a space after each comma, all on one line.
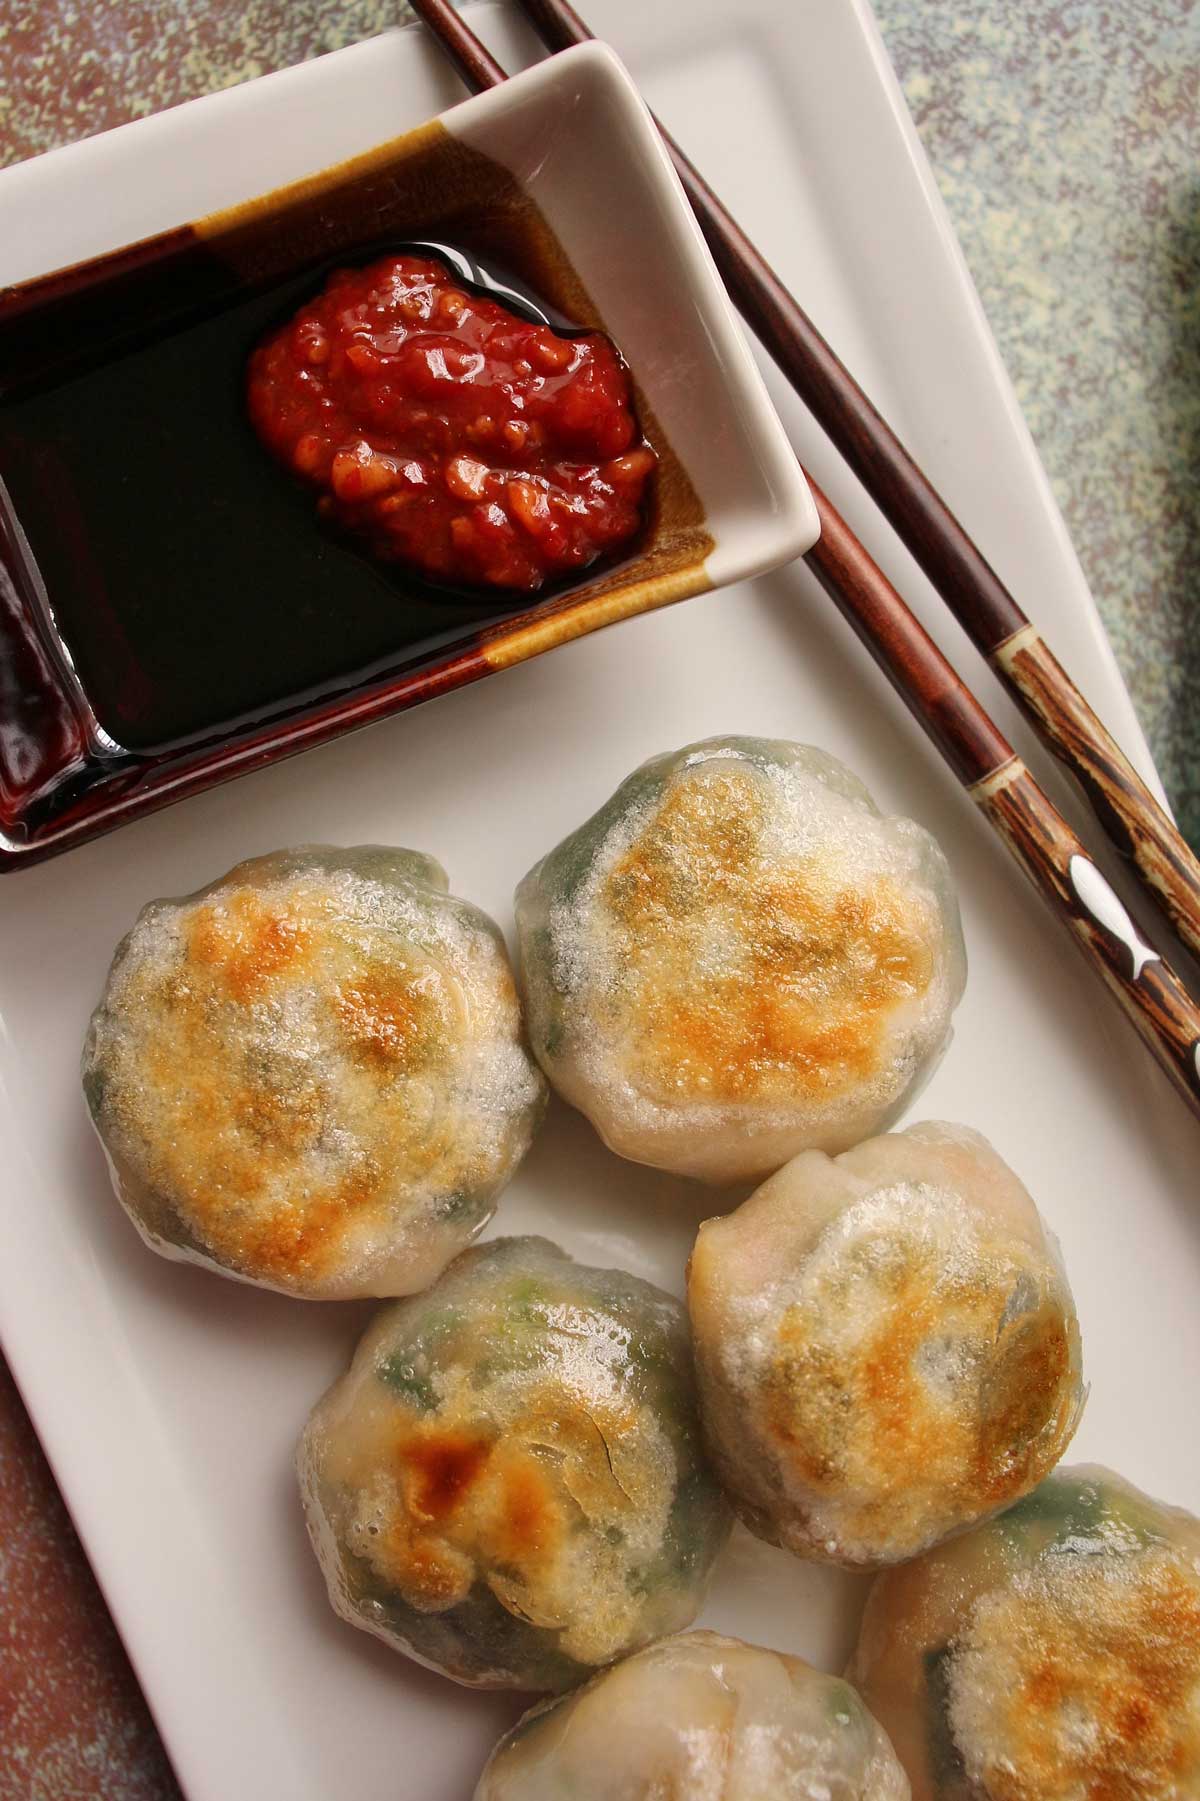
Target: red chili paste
[[449, 433]]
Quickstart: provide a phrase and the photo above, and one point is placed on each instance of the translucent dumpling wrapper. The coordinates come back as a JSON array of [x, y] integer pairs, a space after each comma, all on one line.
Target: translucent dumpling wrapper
[[509, 1484], [312, 1074], [739, 958], [887, 1348], [1053, 1654], [702, 1717]]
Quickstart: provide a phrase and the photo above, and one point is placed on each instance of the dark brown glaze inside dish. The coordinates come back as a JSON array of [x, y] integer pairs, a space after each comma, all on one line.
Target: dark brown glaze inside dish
[[168, 613]]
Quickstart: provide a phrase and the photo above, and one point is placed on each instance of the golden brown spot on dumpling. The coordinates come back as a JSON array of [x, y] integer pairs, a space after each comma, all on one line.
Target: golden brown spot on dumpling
[[750, 974], [704, 832], [552, 1495], [430, 1574], [285, 1241], [283, 1121], [246, 1130], [1082, 1679], [426, 1551], [898, 1379], [277, 1138], [833, 1406], [439, 1469], [465, 1503], [390, 1015], [246, 942], [1024, 1388], [530, 1518]]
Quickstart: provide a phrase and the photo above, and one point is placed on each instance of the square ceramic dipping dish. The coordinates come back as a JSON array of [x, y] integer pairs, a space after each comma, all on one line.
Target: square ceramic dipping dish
[[563, 169]]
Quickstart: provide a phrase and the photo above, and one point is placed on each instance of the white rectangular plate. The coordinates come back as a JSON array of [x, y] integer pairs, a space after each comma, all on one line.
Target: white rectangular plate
[[168, 1401]]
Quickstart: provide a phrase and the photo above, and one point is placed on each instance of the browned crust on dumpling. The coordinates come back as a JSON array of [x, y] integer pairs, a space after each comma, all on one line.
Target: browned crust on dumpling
[[886, 1344], [802, 1004], [1083, 1679], [287, 1071], [464, 1499], [834, 1412], [228, 1128], [1052, 1652], [509, 1482]]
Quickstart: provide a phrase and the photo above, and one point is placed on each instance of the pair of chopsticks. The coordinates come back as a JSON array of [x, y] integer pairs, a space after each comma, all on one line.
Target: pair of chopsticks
[[1055, 860]]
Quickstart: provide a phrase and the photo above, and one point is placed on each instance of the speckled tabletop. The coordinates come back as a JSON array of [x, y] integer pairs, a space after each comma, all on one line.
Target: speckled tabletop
[[1066, 138]]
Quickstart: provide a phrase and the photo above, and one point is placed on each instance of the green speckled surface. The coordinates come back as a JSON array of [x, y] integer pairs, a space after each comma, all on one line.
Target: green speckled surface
[[1065, 135]]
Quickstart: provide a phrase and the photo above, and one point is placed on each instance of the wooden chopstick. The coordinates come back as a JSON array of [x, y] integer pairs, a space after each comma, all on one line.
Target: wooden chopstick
[[1047, 849], [1129, 815], [1052, 856]]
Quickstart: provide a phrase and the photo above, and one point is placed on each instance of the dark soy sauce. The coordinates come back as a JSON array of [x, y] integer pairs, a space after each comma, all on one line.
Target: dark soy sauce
[[188, 581]]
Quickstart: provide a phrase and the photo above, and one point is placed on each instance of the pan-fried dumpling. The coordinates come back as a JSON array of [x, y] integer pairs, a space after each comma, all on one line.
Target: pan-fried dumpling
[[886, 1346], [1053, 1654], [702, 1717], [311, 1074], [738, 958], [509, 1483]]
